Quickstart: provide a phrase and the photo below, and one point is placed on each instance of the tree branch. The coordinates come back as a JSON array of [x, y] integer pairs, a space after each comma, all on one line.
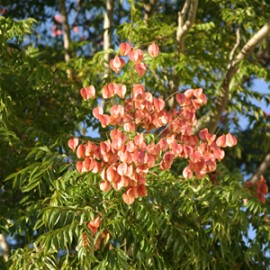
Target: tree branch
[[4, 247], [155, 76], [108, 17], [67, 40], [237, 42], [181, 19], [148, 8], [185, 25], [252, 43], [66, 30], [211, 120], [261, 170]]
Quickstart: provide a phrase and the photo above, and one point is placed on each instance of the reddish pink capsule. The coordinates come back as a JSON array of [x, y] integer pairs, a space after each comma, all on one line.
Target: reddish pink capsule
[[140, 69], [73, 143], [88, 92], [125, 48], [153, 50], [94, 225], [117, 63], [136, 56]]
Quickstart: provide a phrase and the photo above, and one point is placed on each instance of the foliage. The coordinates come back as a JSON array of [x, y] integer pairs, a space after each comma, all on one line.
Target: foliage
[[48, 209]]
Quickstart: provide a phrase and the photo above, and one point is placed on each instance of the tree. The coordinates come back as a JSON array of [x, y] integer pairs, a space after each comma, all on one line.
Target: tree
[[53, 216]]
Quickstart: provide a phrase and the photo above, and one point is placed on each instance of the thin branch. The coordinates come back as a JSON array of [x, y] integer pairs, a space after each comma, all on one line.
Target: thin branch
[[252, 43], [181, 19], [211, 120], [148, 8], [4, 247], [108, 17], [78, 6], [184, 26], [237, 42], [261, 170], [67, 40], [156, 76], [66, 30]]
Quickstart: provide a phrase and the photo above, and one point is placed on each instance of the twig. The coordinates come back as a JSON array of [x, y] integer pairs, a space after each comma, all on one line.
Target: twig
[[261, 170], [155, 76], [237, 42]]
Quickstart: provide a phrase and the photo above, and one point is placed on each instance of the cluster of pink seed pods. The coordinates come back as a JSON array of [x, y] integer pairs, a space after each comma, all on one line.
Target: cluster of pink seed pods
[[125, 158]]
